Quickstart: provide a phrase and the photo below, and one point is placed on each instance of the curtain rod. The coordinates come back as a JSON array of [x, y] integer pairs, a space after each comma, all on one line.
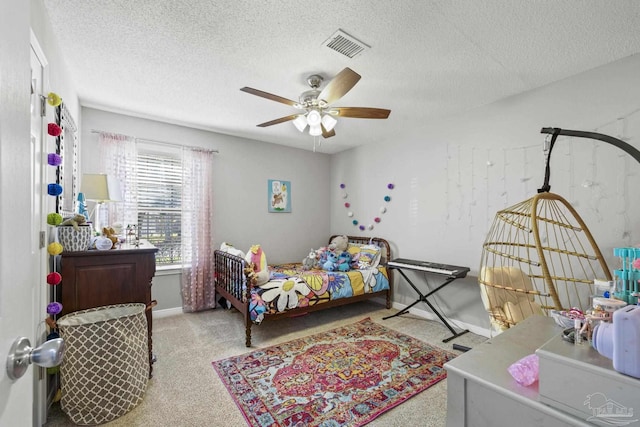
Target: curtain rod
[[172, 144]]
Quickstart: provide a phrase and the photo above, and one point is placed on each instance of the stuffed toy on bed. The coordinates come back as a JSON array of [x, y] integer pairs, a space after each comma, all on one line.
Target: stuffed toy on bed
[[331, 264], [344, 261], [310, 261], [256, 257], [339, 244]]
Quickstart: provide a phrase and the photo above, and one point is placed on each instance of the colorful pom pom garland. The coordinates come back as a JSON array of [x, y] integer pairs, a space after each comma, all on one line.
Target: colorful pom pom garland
[[54, 278], [53, 129], [377, 219], [54, 99], [54, 219]]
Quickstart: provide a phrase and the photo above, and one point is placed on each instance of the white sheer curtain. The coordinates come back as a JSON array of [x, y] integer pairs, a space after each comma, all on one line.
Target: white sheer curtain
[[119, 154], [198, 291]]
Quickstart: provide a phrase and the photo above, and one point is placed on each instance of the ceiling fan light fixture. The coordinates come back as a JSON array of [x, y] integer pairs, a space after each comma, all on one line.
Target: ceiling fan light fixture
[[313, 118], [328, 122], [300, 122], [315, 130]]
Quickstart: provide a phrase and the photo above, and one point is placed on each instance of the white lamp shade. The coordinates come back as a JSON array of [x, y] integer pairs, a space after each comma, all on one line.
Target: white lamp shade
[[328, 122], [313, 118], [101, 188], [315, 130], [300, 122]]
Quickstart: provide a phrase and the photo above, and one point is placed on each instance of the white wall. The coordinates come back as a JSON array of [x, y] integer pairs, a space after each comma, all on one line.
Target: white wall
[[446, 193], [241, 170]]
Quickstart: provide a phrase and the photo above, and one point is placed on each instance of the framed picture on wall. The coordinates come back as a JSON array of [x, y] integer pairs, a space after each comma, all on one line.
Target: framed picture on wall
[[279, 195]]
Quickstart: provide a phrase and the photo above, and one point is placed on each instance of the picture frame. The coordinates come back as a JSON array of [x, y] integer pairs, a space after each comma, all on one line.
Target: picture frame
[[279, 196]]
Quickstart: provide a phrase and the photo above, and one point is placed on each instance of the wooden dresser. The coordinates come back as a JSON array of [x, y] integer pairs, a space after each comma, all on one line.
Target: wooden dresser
[[97, 278]]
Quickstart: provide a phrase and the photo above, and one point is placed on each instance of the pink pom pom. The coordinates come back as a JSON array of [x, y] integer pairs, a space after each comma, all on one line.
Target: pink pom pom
[[53, 129]]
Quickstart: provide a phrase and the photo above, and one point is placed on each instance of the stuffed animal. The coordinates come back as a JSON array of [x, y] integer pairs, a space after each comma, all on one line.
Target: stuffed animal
[[309, 261], [256, 257], [228, 248], [339, 244], [344, 261], [321, 256], [75, 221], [331, 263], [110, 234]]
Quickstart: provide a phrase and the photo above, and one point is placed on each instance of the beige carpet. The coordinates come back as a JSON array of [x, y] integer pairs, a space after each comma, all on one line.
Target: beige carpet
[[186, 391]]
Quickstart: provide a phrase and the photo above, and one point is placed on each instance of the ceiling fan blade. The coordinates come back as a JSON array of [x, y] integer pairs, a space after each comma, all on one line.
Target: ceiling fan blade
[[278, 121], [362, 112], [339, 85], [327, 133], [268, 95]]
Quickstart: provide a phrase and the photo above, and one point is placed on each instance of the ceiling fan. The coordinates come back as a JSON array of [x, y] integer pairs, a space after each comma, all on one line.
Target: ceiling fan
[[317, 112]]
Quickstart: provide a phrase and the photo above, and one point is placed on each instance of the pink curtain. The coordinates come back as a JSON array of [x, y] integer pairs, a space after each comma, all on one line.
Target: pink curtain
[[198, 292], [119, 154]]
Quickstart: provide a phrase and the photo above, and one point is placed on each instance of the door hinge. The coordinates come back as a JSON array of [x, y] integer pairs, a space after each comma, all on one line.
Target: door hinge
[[42, 239], [43, 106]]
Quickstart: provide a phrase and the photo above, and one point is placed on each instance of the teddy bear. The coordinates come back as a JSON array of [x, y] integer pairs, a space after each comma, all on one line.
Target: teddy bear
[[331, 263], [339, 244], [344, 261], [110, 234]]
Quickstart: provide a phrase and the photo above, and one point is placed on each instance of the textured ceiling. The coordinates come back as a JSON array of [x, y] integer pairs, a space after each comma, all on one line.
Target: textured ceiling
[[184, 61]]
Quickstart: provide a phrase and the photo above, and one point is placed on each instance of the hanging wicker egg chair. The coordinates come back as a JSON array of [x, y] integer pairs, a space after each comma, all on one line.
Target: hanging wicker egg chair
[[538, 256]]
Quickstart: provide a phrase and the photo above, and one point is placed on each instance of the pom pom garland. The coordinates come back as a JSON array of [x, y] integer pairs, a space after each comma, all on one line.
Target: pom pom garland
[[54, 308], [54, 159], [54, 218], [54, 248], [53, 129], [54, 99], [377, 220], [54, 189], [54, 278]]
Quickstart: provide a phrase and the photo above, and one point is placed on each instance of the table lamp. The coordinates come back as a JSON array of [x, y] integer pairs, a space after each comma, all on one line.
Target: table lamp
[[101, 189]]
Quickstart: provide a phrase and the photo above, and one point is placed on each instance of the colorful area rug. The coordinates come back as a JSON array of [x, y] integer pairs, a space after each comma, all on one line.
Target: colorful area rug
[[344, 377]]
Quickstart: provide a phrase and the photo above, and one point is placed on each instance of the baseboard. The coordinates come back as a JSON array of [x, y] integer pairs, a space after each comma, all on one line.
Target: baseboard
[[456, 324], [167, 312]]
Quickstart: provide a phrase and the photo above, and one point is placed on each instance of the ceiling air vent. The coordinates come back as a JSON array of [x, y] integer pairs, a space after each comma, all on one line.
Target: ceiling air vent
[[346, 45]]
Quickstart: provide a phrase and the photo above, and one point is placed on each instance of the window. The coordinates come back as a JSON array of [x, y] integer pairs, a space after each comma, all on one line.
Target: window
[[159, 202]]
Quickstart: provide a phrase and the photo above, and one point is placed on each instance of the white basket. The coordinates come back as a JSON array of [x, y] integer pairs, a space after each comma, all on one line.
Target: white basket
[[73, 240]]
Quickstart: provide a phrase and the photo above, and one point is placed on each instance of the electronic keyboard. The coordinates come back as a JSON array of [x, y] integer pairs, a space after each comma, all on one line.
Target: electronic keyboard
[[429, 267]]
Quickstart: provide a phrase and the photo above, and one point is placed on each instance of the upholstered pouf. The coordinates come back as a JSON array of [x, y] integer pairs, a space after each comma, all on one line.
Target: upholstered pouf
[[105, 367]]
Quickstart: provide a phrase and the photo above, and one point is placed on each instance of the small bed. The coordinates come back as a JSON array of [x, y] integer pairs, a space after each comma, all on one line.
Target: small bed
[[293, 290]]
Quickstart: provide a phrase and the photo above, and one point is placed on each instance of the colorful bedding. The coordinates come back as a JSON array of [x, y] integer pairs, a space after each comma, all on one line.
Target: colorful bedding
[[291, 286]]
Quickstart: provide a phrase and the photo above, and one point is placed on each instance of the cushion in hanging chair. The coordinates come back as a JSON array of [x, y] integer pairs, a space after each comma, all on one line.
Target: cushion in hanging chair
[[507, 307]]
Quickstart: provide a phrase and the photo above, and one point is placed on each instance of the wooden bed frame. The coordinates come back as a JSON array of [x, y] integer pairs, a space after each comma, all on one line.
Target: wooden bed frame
[[231, 283]]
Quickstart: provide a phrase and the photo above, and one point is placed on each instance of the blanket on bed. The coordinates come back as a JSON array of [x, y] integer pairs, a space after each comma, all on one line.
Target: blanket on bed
[[290, 286]]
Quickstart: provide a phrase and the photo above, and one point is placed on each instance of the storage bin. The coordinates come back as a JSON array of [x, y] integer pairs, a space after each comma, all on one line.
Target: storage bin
[[74, 240], [105, 369]]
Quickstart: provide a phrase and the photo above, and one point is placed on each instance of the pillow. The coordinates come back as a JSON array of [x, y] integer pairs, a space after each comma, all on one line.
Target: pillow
[[364, 256]]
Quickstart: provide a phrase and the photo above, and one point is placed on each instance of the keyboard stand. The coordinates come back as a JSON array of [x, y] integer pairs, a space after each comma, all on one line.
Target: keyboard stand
[[423, 298]]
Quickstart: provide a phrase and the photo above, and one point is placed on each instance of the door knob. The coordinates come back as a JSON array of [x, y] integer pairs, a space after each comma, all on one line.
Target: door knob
[[21, 355]]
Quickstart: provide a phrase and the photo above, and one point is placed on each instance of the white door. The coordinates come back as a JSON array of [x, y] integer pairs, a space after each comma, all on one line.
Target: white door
[[22, 272], [41, 144]]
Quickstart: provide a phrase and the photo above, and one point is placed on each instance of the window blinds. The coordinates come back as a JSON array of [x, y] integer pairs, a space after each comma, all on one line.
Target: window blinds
[[159, 191]]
